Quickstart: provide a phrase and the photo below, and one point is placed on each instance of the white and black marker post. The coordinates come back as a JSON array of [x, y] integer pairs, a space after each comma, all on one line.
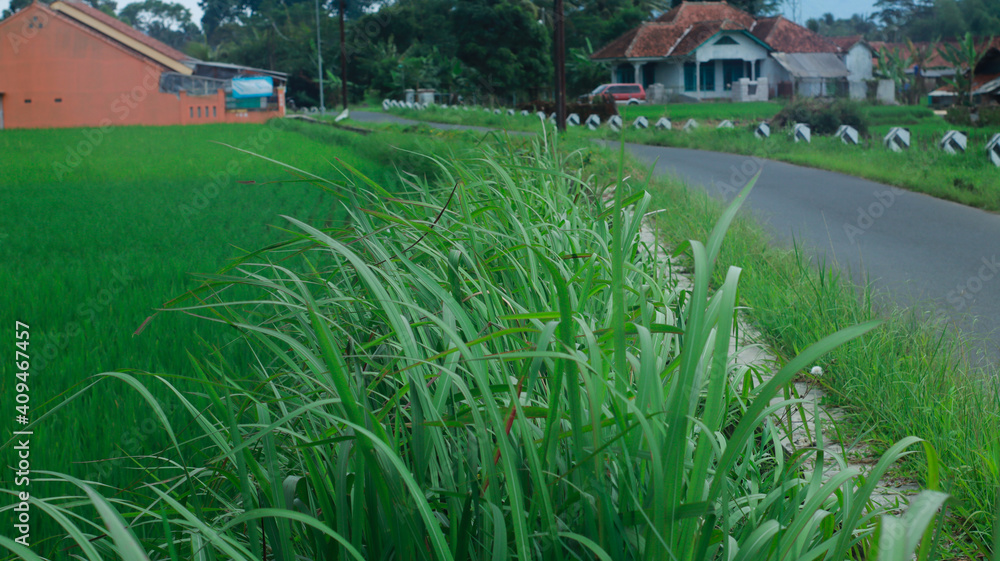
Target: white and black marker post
[[954, 142], [897, 139], [801, 133]]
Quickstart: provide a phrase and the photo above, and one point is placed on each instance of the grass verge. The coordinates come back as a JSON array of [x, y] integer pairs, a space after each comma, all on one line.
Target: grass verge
[[907, 377], [967, 178]]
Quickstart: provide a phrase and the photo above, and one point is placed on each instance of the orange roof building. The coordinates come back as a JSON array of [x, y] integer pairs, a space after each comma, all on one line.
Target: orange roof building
[[70, 65], [702, 49]]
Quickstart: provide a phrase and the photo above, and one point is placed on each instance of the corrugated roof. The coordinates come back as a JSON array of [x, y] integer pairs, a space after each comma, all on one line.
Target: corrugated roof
[[991, 86], [812, 65], [789, 37], [128, 30]]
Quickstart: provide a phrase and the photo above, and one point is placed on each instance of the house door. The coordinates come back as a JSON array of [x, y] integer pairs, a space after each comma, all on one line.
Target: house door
[[1, 111]]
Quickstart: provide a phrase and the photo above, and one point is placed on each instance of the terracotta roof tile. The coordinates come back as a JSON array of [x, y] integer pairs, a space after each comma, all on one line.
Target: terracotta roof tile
[[655, 39], [934, 61], [684, 28], [619, 47], [128, 30], [788, 37], [701, 32], [690, 13], [845, 43]]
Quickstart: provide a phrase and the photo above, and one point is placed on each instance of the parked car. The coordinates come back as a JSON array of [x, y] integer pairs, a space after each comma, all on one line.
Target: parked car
[[623, 93]]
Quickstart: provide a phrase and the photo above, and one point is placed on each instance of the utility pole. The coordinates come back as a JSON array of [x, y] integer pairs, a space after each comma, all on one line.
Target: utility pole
[[560, 39], [343, 54], [319, 59]]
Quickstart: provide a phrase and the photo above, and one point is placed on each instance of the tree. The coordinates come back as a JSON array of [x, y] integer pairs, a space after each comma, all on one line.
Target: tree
[[857, 24], [15, 5], [107, 6], [964, 56], [582, 73], [892, 64], [509, 49], [165, 21]]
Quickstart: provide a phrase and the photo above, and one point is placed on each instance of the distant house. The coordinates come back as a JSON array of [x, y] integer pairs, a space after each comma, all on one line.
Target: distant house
[[701, 49], [70, 65], [858, 57], [986, 77], [936, 70]]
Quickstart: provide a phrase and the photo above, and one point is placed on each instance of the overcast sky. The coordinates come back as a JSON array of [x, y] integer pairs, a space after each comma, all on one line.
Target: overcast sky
[[809, 8]]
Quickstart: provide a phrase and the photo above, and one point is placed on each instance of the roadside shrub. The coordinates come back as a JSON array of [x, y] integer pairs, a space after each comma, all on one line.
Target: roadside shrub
[[962, 116], [822, 117]]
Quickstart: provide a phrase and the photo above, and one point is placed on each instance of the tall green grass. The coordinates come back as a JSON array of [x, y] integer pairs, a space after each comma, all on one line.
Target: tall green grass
[[487, 366]]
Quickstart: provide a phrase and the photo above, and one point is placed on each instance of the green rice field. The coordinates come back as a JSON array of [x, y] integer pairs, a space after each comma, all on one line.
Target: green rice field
[[99, 229]]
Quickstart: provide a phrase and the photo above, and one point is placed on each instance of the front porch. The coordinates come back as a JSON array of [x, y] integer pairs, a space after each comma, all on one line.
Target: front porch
[[710, 79]]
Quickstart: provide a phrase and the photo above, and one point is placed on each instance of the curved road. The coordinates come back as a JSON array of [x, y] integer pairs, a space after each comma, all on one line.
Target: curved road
[[925, 253]]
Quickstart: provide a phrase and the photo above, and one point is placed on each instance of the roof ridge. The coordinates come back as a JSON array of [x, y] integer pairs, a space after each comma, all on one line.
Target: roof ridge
[[678, 41]]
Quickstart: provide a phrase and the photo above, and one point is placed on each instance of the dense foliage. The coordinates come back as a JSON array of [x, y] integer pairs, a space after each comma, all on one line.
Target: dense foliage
[[963, 116], [493, 50]]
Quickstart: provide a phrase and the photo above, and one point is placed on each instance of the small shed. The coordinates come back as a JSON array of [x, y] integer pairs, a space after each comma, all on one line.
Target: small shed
[[813, 74]]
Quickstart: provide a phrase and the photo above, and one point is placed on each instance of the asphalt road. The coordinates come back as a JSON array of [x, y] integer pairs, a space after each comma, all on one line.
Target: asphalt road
[[916, 250]]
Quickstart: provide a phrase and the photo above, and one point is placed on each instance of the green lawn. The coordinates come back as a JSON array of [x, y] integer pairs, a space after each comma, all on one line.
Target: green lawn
[[92, 243]]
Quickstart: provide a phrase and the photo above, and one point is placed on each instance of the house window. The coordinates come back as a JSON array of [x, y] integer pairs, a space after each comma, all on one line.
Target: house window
[[213, 112], [708, 76], [726, 40], [199, 112], [732, 71], [58, 100], [689, 76], [27, 101], [191, 111]]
